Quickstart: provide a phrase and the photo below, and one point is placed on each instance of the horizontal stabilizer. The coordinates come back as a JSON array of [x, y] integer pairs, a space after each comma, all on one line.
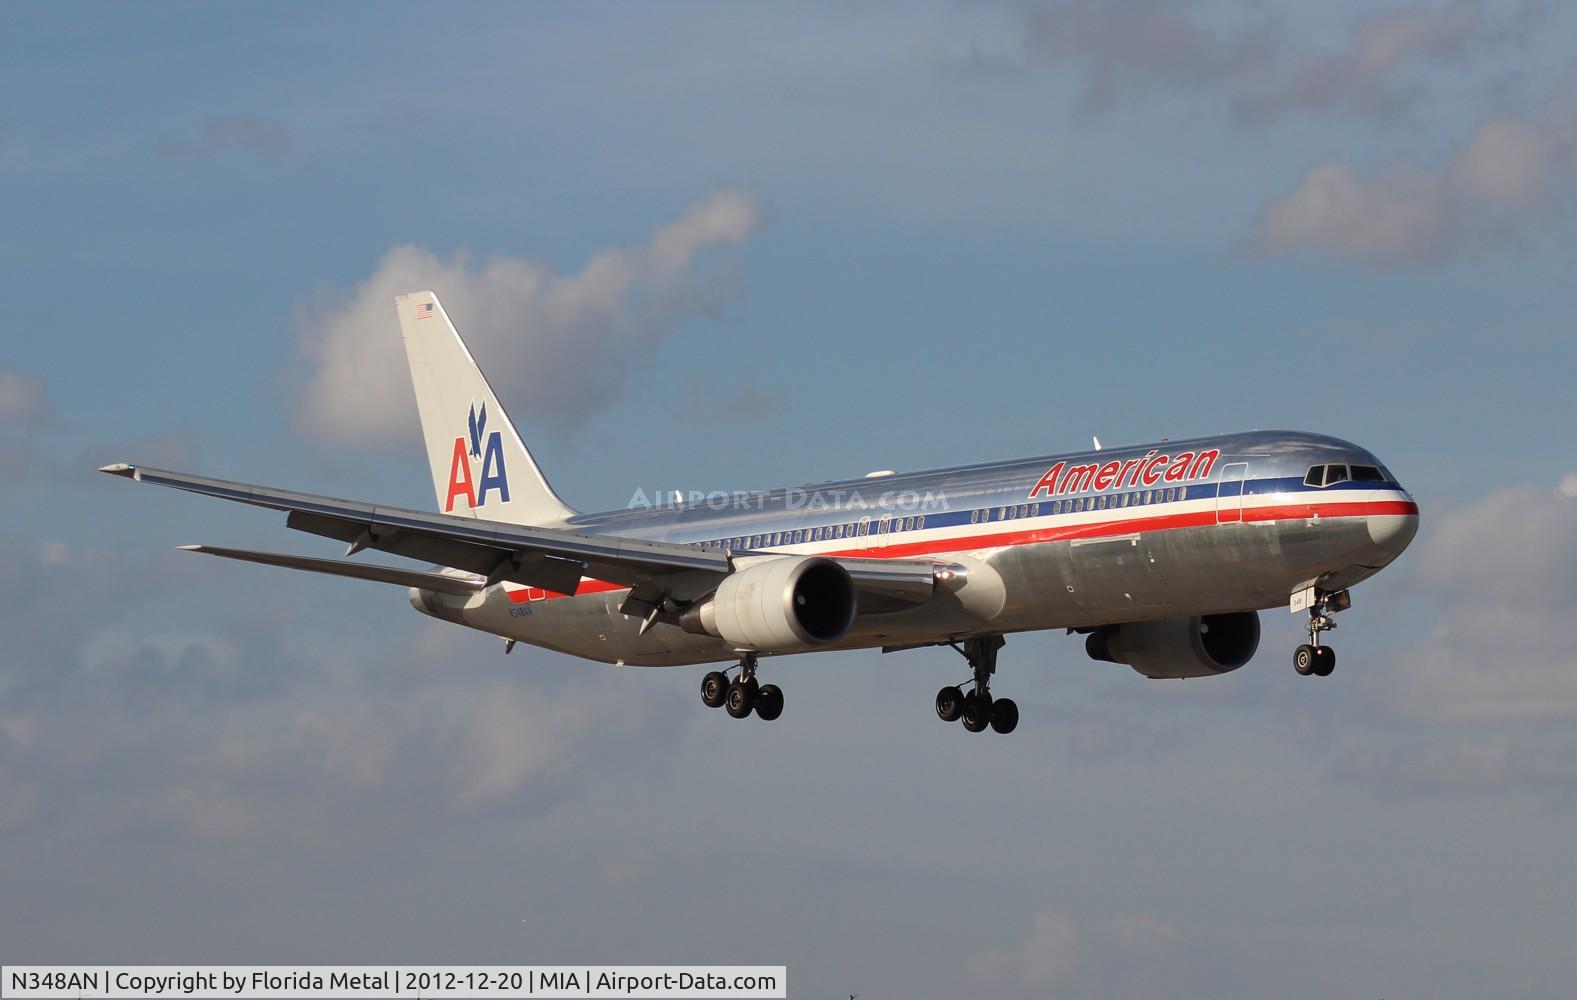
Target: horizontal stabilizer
[[442, 583]]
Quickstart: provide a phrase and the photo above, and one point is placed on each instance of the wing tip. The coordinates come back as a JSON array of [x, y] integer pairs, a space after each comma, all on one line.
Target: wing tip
[[120, 469]]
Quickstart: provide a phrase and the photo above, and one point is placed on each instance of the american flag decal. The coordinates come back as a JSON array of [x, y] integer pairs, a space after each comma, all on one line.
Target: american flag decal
[[424, 311]]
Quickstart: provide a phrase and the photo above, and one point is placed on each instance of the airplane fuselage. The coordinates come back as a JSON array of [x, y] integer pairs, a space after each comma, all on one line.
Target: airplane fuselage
[[1177, 528]]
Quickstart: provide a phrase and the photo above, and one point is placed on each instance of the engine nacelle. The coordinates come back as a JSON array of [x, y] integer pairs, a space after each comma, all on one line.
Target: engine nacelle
[[1200, 646], [791, 602]]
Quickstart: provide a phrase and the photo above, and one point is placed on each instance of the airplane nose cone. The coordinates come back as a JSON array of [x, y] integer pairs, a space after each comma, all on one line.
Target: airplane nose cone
[[1391, 532]]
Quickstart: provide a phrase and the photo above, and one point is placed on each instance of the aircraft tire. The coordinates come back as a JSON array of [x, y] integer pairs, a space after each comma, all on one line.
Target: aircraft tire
[[1304, 659], [714, 689], [949, 704], [1324, 661], [1004, 715], [977, 713], [741, 699], [769, 702]]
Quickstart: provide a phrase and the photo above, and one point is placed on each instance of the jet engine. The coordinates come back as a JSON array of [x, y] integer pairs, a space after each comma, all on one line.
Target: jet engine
[[1199, 646], [789, 602]]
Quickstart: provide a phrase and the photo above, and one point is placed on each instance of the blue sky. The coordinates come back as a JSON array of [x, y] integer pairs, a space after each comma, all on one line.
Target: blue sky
[[907, 237]]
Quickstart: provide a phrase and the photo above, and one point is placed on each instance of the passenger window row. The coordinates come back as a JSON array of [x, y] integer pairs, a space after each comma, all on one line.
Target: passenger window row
[[825, 533], [986, 515], [1139, 498]]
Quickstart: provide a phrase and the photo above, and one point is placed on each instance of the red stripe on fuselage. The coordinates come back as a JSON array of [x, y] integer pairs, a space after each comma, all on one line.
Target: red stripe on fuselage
[[1068, 532]]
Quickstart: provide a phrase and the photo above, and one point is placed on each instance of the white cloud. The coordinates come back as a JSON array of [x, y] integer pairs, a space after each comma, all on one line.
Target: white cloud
[[21, 397], [1504, 574], [1128, 49], [254, 135], [1134, 50], [1050, 957], [1363, 75], [555, 346], [1504, 178]]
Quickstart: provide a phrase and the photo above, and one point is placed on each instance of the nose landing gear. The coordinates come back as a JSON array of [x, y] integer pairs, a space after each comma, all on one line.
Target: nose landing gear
[[978, 709], [742, 695], [1311, 658]]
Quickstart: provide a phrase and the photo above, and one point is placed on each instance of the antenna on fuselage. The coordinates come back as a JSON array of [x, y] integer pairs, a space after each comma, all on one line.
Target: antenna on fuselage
[[1097, 442]]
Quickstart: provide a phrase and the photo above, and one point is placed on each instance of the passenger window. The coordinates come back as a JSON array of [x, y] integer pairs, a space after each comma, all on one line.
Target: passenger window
[[1335, 474], [1316, 476], [1002, 513], [1182, 493], [1023, 511], [919, 522], [1366, 474], [1034, 510]]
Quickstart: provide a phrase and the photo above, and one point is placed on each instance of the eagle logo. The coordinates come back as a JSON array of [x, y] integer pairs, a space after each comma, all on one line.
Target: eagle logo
[[478, 427]]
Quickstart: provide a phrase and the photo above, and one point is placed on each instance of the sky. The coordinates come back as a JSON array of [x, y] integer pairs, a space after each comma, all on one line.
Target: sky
[[702, 246]]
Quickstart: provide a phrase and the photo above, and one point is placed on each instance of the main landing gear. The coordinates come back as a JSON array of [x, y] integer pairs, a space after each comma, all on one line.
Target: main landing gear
[[742, 694], [1311, 657], [978, 709]]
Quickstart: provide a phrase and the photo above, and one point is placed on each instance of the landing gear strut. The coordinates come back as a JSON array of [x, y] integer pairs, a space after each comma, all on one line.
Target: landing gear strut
[[742, 695], [1311, 657], [977, 708]]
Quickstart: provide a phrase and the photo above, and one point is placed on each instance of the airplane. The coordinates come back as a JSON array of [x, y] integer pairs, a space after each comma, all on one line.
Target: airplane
[[1161, 555]]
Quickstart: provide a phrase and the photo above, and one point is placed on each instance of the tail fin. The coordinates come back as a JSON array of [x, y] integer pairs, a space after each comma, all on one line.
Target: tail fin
[[480, 465]]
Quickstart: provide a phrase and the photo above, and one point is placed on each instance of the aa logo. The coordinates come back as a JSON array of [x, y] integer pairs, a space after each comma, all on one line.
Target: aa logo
[[487, 447]]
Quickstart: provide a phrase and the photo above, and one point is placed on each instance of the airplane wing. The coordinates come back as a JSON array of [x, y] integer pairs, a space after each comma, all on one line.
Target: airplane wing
[[552, 558]]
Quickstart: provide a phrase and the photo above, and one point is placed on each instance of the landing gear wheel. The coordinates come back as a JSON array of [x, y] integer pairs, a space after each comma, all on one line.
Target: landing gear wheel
[[741, 699], [1004, 715], [714, 689], [769, 702], [1304, 659], [1324, 661], [977, 712], [949, 704]]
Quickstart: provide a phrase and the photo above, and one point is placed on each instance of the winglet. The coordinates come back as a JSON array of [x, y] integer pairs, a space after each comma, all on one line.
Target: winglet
[[120, 469]]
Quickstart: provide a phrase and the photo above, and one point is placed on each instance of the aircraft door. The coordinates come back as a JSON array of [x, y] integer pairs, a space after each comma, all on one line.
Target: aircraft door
[[880, 530], [1229, 493]]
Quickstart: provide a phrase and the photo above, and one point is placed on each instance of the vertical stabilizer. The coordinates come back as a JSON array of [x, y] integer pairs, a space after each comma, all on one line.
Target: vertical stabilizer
[[480, 465]]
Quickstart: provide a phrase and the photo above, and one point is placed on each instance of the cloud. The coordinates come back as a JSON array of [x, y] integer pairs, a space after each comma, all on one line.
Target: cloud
[[251, 135], [556, 346], [236, 729], [1131, 51], [22, 404], [1050, 958], [1362, 76], [1510, 174], [1503, 573], [21, 398], [1127, 50]]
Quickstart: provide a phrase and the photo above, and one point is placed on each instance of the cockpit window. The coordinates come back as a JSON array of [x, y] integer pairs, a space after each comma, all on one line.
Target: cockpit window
[[1335, 474], [1316, 476], [1367, 474]]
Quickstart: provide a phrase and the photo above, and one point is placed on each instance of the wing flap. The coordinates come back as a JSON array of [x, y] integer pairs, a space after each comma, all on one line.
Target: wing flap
[[530, 555], [440, 582]]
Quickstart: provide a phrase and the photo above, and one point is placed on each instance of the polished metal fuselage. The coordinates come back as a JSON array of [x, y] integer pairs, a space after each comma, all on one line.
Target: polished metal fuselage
[[1027, 553]]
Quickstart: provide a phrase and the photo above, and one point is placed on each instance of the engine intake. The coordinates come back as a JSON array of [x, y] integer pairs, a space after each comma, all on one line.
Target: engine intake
[[1199, 646], [791, 602]]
